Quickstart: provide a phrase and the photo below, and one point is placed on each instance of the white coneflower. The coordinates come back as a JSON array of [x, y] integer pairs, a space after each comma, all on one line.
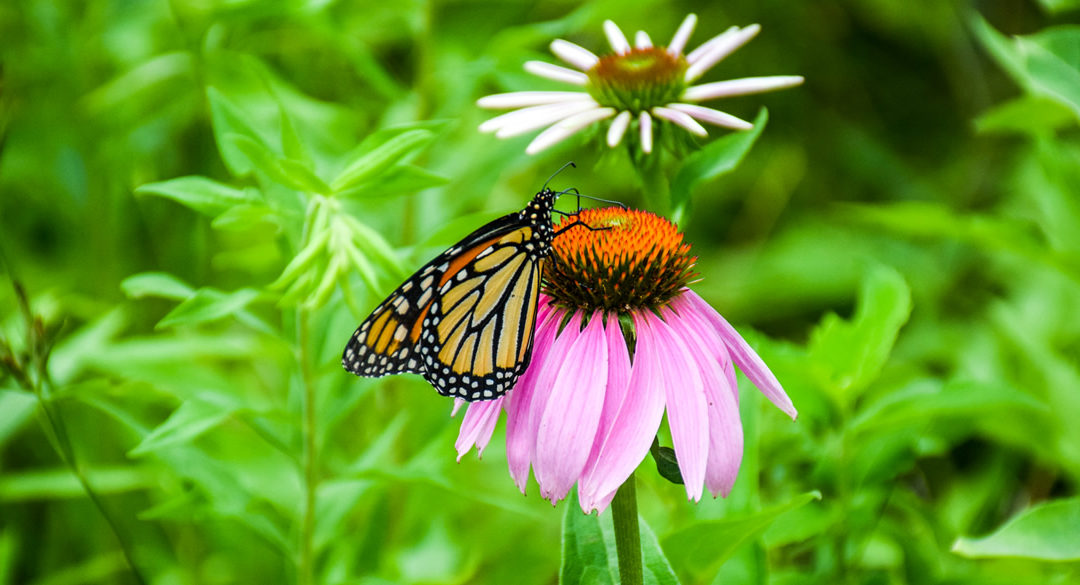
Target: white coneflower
[[631, 86]]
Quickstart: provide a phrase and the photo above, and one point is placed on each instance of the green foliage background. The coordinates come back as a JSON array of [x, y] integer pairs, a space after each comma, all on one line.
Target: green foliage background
[[902, 245]]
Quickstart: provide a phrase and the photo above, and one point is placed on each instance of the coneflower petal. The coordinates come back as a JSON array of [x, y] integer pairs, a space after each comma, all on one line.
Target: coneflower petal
[[681, 119], [556, 73], [725, 426], [478, 426], [744, 356], [524, 99], [719, 51], [618, 383], [616, 37], [715, 117], [687, 409], [634, 426], [709, 44], [567, 128], [618, 128], [528, 119], [678, 42], [575, 55], [645, 121], [520, 432], [642, 40], [568, 427], [744, 86]]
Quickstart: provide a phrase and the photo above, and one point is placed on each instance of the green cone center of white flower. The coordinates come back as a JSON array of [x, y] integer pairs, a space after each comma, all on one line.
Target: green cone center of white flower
[[638, 80]]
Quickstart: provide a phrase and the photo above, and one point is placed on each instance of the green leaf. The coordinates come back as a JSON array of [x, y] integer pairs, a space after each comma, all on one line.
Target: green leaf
[[1058, 6], [398, 180], [586, 557], [203, 195], [228, 119], [1045, 64], [301, 174], [849, 354], [702, 547], [371, 164], [185, 424], [18, 408], [248, 217], [155, 284], [1048, 532], [657, 569], [1025, 115], [715, 159], [208, 304]]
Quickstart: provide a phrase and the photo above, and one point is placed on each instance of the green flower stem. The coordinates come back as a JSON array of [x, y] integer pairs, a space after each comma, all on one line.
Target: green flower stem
[[654, 186], [311, 476], [627, 534]]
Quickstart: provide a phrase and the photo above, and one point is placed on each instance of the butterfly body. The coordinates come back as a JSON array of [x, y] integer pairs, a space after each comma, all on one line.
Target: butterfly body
[[464, 320]]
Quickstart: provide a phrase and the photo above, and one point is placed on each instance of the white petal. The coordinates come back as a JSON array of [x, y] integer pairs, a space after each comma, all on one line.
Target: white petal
[[575, 55], [678, 42], [617, 129], [642, 40], [712, 116], [567, 128], [680, 118], [709, 44], [744, 86], [646, 132], [556, 73], [720, 50], [616, 37], [522, 99], [526, 119]]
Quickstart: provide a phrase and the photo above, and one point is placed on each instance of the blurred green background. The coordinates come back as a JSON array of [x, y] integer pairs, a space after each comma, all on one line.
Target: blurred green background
[[902, 245]]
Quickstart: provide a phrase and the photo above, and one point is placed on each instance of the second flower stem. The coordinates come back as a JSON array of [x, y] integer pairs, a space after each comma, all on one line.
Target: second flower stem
[[627, 534]]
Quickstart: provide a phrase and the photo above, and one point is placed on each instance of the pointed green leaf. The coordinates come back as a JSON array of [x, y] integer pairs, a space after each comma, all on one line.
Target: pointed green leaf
[[702, 547], [1048, 532], [229, 119], [203, 195], [208, 304], [586, 559], [155, 284], [715, 159], [850, 354], [371, 164], [185, 424]]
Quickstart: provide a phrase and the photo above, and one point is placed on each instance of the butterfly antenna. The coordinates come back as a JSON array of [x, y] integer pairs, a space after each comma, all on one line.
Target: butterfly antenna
[[580, 195], [556, 173]]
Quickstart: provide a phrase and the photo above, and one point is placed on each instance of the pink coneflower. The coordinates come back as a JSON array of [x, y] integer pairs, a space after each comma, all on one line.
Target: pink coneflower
[[589, 405], [635, 87]]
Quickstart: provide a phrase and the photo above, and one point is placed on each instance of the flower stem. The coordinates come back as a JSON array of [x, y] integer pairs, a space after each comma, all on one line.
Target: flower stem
[[627, 534], [311, 478], [654, 186]]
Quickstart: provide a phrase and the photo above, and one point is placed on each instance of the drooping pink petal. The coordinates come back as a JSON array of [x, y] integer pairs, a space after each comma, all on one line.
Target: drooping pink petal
[[458, 403], [568, 426], [478, 425], [717, 349], [744, 356], [678, 42], [725, 427], [635, 425], [618, 384], [520, 438], [687, 409]]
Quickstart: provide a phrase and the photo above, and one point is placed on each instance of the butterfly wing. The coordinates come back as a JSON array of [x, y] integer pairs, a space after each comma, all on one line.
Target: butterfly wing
[[464, 321]]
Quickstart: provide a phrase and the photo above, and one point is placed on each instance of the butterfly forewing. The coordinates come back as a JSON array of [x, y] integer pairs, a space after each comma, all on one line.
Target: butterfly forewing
[[465, 320]]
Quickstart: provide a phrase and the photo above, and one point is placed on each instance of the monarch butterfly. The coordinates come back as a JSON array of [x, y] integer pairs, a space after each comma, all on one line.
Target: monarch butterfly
[[465, 320]]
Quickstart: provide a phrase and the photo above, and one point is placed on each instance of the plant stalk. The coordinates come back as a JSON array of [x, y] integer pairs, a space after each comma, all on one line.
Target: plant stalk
[[627, 534], [311, 477]]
